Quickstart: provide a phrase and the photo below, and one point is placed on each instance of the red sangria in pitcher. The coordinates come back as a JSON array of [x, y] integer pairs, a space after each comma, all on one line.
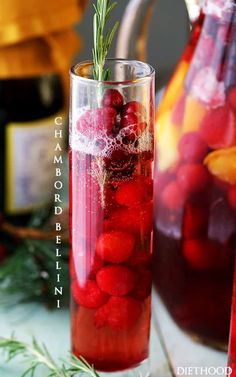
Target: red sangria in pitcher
[[195, 193]]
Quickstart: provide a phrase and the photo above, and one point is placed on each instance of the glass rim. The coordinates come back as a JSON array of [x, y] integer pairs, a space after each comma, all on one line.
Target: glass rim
[[137, 80]]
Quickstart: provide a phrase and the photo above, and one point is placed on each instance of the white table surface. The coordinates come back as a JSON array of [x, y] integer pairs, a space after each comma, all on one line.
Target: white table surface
[[170, 347]]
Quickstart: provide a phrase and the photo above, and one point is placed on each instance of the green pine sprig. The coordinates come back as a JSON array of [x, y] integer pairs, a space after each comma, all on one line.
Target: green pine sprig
[[36, 355], [102, 38]]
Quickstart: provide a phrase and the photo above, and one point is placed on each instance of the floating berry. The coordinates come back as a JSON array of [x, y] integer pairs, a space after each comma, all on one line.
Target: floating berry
[[218, 128], [231, 98], [203, 254], [134, 107], [137, 220], [194, 221], [120, 313], [140, 260], [172, 196], [90, 295], [116, 280], [192, 178], [115, 247], [178, 111], [113, 98], [144, 285], [232, 196], [93, 122], [192, 148], [128, 120], [134, 192]]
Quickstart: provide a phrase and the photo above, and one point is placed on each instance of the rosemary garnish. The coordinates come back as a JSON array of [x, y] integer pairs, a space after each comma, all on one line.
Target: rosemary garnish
[[102, 38], [36, 355]]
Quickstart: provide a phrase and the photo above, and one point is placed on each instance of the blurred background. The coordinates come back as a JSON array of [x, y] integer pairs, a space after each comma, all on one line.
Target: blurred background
[[168, 34]]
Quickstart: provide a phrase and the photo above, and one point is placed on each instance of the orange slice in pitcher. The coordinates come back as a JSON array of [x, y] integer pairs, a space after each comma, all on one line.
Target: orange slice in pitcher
[[222, 164]]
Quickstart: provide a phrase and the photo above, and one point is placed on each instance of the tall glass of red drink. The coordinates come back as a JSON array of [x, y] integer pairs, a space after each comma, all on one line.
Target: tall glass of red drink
[[111, 164]]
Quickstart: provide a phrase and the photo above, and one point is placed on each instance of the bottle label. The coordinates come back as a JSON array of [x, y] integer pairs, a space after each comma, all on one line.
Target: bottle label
[[29, 172]]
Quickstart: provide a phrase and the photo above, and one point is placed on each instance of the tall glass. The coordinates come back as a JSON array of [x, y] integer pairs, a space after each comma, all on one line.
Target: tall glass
[[111, 199]]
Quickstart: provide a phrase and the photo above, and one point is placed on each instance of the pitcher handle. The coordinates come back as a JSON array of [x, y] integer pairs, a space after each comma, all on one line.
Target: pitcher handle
[[133, 32]]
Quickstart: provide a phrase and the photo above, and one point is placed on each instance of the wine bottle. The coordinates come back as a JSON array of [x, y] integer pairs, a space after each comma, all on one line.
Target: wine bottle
[[28, 107]]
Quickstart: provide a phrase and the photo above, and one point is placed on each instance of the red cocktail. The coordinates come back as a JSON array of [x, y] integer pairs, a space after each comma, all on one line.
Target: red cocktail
[[111, 158]]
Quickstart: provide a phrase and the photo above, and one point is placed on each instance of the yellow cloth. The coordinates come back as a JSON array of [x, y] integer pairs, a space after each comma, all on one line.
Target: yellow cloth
[[36, 36], [24, 19]]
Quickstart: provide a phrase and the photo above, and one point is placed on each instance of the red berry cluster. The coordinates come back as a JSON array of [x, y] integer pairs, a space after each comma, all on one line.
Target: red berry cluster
[[112, 117], [120, 272]]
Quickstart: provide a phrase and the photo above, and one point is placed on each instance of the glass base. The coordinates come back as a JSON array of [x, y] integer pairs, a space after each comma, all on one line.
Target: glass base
[[141, 370]]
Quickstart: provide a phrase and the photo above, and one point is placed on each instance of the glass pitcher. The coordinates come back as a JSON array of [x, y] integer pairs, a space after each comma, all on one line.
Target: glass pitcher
[[195, 218], [195, 175]]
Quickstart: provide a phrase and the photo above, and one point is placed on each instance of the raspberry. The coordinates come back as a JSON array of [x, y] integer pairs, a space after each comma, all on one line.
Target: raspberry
[[140, 260], [172, 196], [113, 98], [90, 295], [110, 248], [203, 254], [232, 196], [178, 111], [128, 120], [137, 220], [231, 98], [94, 121], [218, 128], [192, 148], [195, 221], [144, 285], [116, 280], [134, 107], [120, 313], [192, 178], [134, 192]]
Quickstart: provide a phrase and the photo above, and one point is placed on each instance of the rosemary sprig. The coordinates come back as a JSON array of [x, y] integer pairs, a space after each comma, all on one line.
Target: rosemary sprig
[[102, 38], [36, 355]]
